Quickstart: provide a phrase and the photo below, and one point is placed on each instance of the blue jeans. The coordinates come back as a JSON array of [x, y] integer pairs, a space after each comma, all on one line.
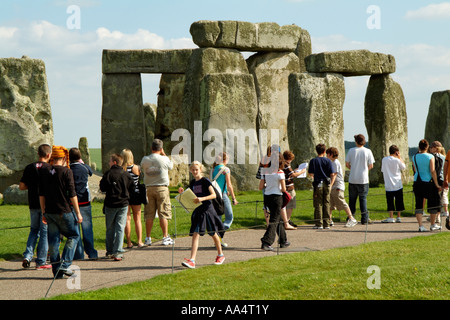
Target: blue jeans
[[87, 245], [67, 225], [358, 191], [228, 211], [116, 219], [38, 230]]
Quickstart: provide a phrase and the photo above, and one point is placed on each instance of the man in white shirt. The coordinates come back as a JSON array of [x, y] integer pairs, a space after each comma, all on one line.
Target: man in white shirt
[[359, 160], [155, 168], [392, 167]]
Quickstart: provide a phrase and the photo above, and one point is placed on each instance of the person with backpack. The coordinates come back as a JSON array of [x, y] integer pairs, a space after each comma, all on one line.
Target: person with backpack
[[222, 175], [204, 218], [439, 160], [425, 185]]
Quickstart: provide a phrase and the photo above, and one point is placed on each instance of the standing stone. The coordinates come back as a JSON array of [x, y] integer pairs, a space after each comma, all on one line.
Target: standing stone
[[386, 123], [271, 73], [228, 107], [351, 62], [84, 150], [315, 116], [122, 116], [170, 115], [438, 119], [25, 116], [149, 126]]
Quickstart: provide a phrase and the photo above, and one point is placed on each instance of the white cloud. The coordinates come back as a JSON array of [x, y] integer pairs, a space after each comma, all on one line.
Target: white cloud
[[432, 11]]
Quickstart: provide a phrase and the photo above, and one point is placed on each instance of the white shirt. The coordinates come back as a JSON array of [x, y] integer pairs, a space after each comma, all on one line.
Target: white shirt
[[156, 170], [273, 183], [392, 169], [339, 181], [359, 158]]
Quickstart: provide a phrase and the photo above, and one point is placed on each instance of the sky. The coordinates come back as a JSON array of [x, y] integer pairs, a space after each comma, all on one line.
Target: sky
[[69, 37]]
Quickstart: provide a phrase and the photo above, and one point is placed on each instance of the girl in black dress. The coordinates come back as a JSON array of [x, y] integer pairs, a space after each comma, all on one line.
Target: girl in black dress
[[204, 218]]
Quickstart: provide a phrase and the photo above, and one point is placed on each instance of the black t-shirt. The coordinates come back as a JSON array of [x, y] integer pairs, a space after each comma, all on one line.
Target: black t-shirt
[[201, 189], [322, 168], [30, 177], [57, 187]]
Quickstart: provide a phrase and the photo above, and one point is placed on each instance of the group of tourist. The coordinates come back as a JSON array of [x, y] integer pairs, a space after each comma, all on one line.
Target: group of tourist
[[59, 197], [431, 176]]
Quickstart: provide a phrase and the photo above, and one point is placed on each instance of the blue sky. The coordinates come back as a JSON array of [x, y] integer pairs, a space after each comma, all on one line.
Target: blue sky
[[414, 31]]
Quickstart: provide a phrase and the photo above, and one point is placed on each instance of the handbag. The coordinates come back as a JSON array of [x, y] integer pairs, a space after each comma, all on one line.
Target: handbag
[[142, 193], [286, 198]]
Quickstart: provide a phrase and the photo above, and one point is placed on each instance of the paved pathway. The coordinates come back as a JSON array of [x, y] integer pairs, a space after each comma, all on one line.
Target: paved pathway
[[140, 264]]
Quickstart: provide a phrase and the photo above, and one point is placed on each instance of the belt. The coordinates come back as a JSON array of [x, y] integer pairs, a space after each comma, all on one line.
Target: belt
[[159, 186]]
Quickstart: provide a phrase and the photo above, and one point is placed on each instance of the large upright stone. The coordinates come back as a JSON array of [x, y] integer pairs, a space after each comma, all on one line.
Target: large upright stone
[[246, 36], [271, 73], [205, 61], [386, 123], [316, 115], [351, 63], [25, 116], [228, 110], [149, 125], [84, 150], [122, 116], [438, 119], [170, 115]]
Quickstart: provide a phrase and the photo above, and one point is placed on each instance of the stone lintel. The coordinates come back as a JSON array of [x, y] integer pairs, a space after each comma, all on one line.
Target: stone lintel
[[146, 61], [351, 63]]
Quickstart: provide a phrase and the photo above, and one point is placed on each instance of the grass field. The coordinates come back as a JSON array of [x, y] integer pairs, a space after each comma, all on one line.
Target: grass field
[[412, 269]]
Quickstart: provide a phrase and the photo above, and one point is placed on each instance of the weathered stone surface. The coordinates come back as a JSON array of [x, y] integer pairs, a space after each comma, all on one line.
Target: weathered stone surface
[[438, 119], [386, 123], [149, 125], [13, 195], [145, 61], [246, 36], [271, 73], [84, 150], [25, 116], [179, 175], [351, 62], [122, 116], [205, 61], [170, 115], [316, 116], [229, 107]]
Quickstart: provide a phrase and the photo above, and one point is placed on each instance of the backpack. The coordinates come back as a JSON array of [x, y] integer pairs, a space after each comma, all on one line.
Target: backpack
[[438, 165], [218, 201]]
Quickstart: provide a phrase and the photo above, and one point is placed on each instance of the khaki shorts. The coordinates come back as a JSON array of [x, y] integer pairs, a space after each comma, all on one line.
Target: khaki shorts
[[158, 200], [337, 200]]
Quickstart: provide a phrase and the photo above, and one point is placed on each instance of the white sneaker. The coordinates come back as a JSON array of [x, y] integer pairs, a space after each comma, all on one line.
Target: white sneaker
[[444, 214], [422, 229], [388, 220], [224, 244], [351, 223], [167, 241], [148, 241], [398, 220], [435, 227]]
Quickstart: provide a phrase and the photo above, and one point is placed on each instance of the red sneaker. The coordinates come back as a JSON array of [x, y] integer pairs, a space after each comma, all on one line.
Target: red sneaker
[[188, 263], [219, 260], [43, 266]]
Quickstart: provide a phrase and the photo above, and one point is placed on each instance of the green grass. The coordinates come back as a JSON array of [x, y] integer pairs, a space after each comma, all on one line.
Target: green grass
[[411, 269], [96, 156]]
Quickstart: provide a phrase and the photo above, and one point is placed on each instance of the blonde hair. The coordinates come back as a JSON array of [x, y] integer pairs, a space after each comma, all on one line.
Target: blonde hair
[[199, 164], [442, 150], [128, 158]]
